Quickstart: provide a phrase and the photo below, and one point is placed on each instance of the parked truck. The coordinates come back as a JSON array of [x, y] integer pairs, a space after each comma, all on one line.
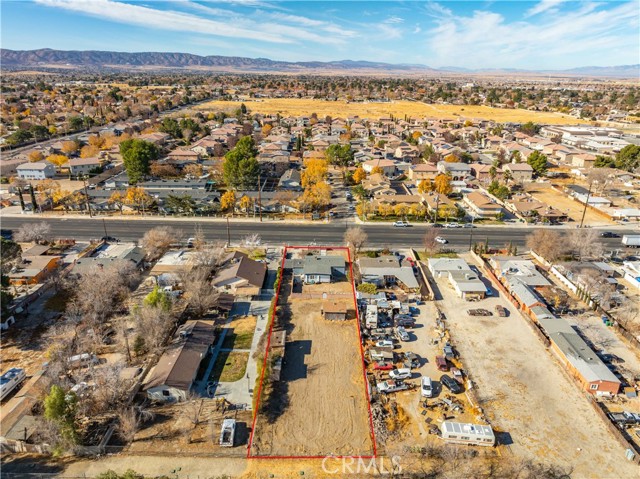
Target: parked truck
[[392, 386], [632, 241], [228, 432]]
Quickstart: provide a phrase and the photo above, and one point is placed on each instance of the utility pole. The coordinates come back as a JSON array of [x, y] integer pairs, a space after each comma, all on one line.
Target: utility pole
[[260, 196], [228, 234], [86, 195], [586, 203]]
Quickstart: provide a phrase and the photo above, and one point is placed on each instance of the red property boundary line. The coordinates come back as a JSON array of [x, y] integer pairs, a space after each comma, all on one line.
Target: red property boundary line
[[266, 356]]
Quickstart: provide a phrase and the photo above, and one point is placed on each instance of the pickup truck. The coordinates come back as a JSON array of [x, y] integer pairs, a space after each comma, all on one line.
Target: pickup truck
[[392, 386], [384, 343]]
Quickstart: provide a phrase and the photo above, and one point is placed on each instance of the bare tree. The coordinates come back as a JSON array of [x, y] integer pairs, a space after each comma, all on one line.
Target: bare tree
[[547, 243], [199, 291], [252, 241], [199, 241], [38, 233], [429, 242], [192, 408], [152, 325], [585, 244], [599, 177], [355, 237], [128, 423], [109, 388], [210, 256], [157, 241]]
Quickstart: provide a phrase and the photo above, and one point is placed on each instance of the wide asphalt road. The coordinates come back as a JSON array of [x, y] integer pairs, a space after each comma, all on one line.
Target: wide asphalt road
[[276, 232]]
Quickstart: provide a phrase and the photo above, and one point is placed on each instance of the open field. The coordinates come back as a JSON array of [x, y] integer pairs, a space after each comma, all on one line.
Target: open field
[[342, 109], [319, 406], [526, 393], [549, 196]]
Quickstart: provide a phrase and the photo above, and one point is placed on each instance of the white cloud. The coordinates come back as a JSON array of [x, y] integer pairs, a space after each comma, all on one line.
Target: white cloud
[[417, 30], [394, 20], [586, 35], [543, 6], [240, 27], [388, 32]]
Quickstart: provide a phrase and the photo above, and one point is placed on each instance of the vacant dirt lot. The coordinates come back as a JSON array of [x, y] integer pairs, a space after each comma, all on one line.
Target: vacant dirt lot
[[295, 107], [544, 193], [526, 393], [322, 388]]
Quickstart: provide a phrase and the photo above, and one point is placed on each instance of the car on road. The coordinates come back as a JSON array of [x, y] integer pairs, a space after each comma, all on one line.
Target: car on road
[[426, 387], [109, 239], [436, 225], [451, 384], [402, 373], [469, 225], [384, 343], [441, 240], [401, 224], [609, 234], [452, 225]]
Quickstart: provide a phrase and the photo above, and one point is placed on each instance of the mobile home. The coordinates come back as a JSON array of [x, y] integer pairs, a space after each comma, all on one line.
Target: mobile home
[[471, 434]]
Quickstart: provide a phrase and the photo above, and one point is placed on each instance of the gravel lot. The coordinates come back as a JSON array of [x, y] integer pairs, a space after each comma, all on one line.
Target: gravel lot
[[526, 392]]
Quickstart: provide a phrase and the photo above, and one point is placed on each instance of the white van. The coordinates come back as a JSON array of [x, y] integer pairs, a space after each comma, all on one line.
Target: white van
[[402, 373], [426, 387]]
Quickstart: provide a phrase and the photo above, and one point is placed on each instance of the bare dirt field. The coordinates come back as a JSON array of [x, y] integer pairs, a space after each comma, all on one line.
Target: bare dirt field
[[544, 193], [526, 393], [321, 389], [304, 106]]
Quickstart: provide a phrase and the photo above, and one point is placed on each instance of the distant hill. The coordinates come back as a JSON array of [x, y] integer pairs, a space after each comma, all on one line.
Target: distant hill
[[48, 58]]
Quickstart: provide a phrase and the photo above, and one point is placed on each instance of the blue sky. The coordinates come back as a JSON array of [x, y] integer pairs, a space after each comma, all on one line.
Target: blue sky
[[544, 34]]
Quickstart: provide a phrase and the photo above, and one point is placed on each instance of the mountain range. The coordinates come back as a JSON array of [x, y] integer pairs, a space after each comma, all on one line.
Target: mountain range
[[92, 59]]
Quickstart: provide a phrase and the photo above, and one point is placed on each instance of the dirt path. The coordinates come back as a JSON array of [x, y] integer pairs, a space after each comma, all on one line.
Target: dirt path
[[327, 409]]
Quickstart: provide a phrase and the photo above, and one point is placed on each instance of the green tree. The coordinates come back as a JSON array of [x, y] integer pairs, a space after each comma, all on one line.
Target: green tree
[[339, 155], [501, 192], [158, 299], [138, 155], [18, 137], [538, 162], [603, 161], [76, 123], [171, 127], [530, 128], [39, 132], [181, 204], [241, 168], [60, 407], [628, 158]]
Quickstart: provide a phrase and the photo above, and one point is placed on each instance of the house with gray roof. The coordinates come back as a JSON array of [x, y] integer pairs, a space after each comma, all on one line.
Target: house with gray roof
[[580, 359], [387, 270], [462, 278], [39, 170], [322, 268]]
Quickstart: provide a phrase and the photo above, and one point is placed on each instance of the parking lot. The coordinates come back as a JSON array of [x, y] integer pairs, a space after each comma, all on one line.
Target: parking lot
[[526, 393]]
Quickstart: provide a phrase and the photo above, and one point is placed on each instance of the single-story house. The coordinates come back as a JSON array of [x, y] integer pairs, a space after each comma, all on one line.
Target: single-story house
[[335, 310], [323, 269], [241, 275], [580, 359], [172, 378], [386, 270], [290, 180], [462, 278], [33, 269]]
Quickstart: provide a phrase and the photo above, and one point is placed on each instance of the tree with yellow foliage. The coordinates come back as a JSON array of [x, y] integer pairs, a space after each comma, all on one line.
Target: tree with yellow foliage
[[97, 141], [228, 200], [451, 158], [315, 171], [48, 189], [359, 175], [245, 203], [69, 147], [377, 170], [385, 209], [316, 195], [89, 151], [417, 210], [401, 210], [57, 160], [266, 129], [425, 186], [416, 134], [118, 199], [138, 198], [443, 184], [35, 155]]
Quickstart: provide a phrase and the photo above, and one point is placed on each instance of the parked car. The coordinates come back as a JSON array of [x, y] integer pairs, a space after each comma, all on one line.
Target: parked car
[[451, 384], [402, 334], [406, 322], [384, 343], [426, 387], [501, 311], [441, 240], [391, 296], [457, 375], [109, 239], [402, 373], [441, 363], [401, 224], [413, 310], [383, 366], [448, 351]]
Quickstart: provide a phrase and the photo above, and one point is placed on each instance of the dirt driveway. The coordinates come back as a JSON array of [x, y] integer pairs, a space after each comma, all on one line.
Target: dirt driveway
[[526, 393], [325, 402]]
